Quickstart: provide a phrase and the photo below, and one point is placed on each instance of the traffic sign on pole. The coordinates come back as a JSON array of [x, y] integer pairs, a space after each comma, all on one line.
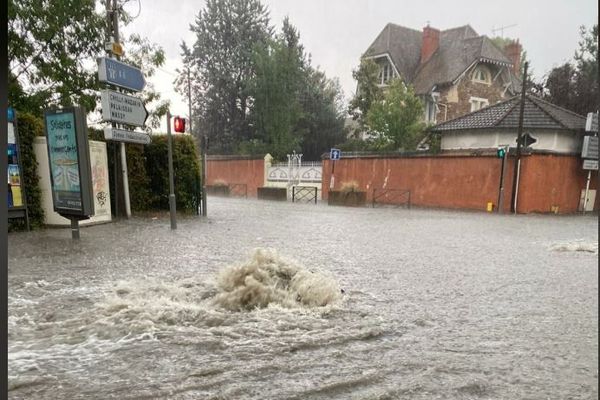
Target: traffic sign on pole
[[335, 154], [120, 74], [123, 109], [121, 135]]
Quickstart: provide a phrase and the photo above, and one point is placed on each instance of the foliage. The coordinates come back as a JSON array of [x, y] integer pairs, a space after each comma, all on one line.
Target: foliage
[[254, 91], [186, 172], [53, 47], [48, 46], [367, 92], [395, 120], [29, 127], [574, 86], [227, 32], [349, 186], [275, 92]]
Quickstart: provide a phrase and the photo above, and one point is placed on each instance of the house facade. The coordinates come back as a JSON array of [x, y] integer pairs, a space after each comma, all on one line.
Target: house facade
[[454, 71]]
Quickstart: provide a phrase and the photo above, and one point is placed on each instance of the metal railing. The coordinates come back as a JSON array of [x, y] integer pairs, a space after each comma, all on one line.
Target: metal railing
[[393, 197], [238, 190], [305, 194]]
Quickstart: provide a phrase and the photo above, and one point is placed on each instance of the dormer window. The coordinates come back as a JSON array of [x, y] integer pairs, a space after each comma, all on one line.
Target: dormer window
[[482, 75], [385, 73]]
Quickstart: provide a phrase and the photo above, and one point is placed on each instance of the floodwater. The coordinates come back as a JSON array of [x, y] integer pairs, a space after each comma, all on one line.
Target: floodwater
[[349, 304]]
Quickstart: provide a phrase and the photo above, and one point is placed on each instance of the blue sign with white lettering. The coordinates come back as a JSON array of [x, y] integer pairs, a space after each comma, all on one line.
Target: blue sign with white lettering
[[11, 114], [120, 74], [335, 154]]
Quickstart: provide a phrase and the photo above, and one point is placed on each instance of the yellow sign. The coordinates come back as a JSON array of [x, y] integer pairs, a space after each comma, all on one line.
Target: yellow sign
[[115, 48]]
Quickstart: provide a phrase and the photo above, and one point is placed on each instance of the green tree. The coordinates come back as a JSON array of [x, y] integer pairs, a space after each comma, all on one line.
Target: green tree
[[227, 33], [53, 47], [396, 119], [275, 92], [48, 45], [367, 90], [575, 85]]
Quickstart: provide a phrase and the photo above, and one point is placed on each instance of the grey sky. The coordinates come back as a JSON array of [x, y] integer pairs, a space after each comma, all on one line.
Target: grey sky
[[336, 32]]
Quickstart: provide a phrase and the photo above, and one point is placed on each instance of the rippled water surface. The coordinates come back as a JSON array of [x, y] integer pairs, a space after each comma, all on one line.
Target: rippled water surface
[[435, 305]]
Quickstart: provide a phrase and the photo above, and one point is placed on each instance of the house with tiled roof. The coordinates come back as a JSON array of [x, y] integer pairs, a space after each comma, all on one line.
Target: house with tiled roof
[[454, 71], [552, 128]]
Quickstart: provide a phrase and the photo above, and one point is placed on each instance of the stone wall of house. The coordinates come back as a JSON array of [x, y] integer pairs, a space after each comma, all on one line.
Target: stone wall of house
[[457, 97]]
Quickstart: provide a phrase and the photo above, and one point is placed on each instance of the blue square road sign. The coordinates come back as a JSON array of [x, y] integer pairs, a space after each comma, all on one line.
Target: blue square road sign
[[335, 154]]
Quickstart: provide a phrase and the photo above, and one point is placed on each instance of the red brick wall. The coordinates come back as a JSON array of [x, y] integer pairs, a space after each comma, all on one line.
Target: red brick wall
[[467, 182], [248, 171]]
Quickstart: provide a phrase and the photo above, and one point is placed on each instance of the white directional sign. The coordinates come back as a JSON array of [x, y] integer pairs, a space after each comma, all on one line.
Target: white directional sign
[[121, 135], [121, 108], [590, 165], [589, 149], [591, 122]]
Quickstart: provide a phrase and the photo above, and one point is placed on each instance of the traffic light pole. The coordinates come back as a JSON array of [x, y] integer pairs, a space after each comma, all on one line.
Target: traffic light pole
[[502, 174], [203, 147], [172, 206]]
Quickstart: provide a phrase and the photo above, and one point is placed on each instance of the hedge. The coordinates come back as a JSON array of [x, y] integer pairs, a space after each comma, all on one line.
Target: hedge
[[28, 127]]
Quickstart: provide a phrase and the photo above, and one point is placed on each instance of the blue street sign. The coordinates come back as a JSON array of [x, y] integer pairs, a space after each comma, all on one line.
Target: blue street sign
[[120, 74], [335, 154], [11, 114]]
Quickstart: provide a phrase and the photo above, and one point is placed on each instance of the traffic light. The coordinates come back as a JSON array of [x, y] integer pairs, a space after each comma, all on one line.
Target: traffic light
[[501, 152], [179, 124]]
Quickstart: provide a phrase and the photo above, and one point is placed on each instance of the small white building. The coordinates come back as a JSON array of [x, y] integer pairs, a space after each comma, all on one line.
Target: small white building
[[555, 129]]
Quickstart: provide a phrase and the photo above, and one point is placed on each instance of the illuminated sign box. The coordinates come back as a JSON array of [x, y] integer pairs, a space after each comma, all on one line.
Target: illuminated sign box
[[69, 159]]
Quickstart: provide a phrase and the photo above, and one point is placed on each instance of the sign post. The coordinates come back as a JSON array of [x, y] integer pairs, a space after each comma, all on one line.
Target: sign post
[[589, 152], [123, 109], [70, 169], [334, 155], [172, 204]]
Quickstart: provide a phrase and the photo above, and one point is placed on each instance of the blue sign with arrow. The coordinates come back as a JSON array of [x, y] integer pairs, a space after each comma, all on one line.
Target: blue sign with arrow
[[120, 74], [335, 154]]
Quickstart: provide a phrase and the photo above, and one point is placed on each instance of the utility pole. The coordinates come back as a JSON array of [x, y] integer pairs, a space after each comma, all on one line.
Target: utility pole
[[515, 183], [190, 100], [112, 23], [172, 206]]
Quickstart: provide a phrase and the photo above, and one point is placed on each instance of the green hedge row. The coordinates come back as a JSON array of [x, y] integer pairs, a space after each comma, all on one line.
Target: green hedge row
[[28, 127]]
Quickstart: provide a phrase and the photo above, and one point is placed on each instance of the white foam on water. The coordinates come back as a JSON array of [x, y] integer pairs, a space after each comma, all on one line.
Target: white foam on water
[[269, 279], [576, 246]]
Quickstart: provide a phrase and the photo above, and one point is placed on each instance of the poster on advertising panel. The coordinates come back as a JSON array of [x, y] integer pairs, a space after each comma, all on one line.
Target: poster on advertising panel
[[64, 165], [101, 191], [69, 161], [13, 170]]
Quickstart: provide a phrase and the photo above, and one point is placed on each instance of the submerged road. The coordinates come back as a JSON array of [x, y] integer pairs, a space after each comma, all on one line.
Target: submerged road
[[436, 305]]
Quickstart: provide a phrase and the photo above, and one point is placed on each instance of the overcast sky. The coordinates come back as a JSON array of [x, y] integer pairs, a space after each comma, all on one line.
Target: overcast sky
[[336, 32]]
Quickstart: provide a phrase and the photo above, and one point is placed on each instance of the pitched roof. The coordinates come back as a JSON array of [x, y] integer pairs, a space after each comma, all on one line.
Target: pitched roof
[[537, 113], [458, 49]]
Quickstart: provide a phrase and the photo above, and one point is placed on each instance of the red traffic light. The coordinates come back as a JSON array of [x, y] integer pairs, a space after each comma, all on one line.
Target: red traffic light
[[179, 124]]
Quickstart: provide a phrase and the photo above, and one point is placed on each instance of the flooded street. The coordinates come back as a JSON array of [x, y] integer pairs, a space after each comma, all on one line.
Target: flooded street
[[435, 305]]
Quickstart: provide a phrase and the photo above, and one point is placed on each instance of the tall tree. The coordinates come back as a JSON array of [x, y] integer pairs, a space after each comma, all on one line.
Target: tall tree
[[227, 32], [396, 119], [275, 90]]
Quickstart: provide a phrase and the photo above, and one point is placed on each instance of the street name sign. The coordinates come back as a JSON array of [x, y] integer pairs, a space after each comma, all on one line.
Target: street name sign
[[120, 74], [335, 154], [590, 165], [121, 135], [122, 108]]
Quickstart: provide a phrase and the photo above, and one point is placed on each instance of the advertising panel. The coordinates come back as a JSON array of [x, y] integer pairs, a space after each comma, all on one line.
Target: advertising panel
[[15, 197], [68, 157]]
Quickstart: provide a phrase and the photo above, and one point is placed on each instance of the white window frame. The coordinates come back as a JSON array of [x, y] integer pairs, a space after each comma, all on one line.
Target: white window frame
[[484, 70], [477, 103], [393, 72]]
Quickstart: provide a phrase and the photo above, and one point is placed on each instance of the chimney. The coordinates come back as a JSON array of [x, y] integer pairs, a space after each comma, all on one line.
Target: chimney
[[513, 52], [431, 41]]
